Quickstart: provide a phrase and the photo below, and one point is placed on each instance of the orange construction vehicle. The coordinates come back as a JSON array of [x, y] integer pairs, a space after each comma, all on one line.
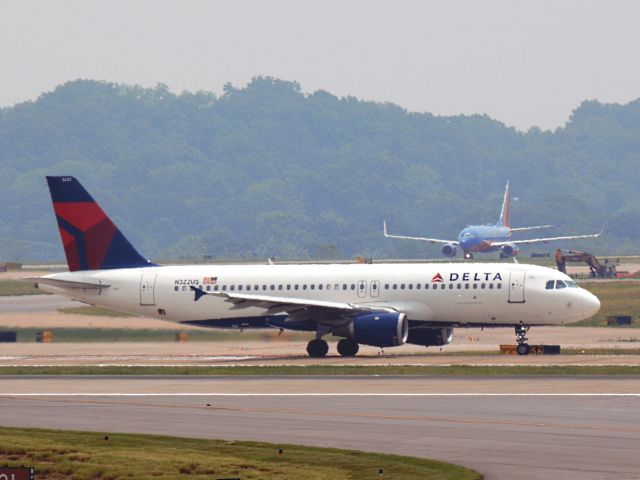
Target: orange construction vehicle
[[597, 270]]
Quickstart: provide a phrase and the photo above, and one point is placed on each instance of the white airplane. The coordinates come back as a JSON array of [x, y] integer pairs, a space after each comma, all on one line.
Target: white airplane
[[382, 305]]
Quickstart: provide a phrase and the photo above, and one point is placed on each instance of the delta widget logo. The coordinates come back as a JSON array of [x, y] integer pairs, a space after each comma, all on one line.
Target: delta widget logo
[[437, 278]]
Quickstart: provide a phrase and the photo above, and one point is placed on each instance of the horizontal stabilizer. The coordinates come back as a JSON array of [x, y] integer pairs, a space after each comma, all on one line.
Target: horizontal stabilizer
[[54, 282]]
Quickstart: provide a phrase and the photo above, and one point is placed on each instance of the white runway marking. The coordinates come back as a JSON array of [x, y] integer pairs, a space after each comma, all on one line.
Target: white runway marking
[[313, 394]]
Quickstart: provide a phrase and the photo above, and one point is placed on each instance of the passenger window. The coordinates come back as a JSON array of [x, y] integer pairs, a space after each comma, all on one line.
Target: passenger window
[[344, 286], [550, 284], [313, 286], [386, 286], [336, 286], [176, 288], [304, 286], [451, 286], [279, 287], [353, 286], [466, 286], [426, 286], [215, 288], [499, 286], [256, 287], [184, 288], [395, 286], [232, 288], [411, 286], [208, 288], [272, 287], [459, 286], [239, 288], [264, 287], [224, 287], [483, 286], [418, 285], [491, 286], [475, 286], [248, 288], [442, 286], [402, 286]]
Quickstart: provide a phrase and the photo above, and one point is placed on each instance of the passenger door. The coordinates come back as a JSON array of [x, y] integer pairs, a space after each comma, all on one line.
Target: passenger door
[[516, 286], [147, 289]]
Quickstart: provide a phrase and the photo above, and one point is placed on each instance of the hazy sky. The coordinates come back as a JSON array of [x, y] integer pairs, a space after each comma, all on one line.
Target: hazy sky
[[522, 62]]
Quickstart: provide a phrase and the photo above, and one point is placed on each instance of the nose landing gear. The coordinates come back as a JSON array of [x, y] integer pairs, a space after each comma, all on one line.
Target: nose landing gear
[[468, 256], [521, 332]]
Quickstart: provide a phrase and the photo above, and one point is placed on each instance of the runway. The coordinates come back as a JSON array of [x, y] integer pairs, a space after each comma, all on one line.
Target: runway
[[515, 427]]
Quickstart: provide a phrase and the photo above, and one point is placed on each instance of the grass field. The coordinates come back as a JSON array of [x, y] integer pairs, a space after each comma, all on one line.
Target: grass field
[[87, 456], [18, 287], [306, 370], [616, 298], [76, 335], [93, 310]]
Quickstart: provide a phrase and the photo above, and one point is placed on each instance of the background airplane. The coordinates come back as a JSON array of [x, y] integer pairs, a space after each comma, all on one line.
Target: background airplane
[[489, 238]]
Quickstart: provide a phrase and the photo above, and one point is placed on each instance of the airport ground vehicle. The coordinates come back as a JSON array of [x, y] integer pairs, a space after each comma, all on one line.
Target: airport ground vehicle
[[597, 270]]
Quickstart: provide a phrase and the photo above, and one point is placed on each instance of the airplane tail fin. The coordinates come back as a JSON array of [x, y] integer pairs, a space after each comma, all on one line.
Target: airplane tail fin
[[90, 239], [503, 221]]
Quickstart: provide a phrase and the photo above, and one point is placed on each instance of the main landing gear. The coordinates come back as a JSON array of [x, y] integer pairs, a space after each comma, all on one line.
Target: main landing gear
[[318, 348], [347, 347], [521, 332]]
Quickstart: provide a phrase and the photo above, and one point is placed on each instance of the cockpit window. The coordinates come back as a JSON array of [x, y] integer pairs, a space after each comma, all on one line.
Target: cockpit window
[[560, 284], [571, 284], [550, 284]]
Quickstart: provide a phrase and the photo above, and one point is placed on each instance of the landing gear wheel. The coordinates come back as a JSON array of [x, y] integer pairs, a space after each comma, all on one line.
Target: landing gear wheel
[[317, 348], [347, 347], [468, 256], [521, 337]]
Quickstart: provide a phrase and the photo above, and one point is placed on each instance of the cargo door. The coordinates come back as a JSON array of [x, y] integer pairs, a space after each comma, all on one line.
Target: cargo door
[[147, 289], [516, 286]]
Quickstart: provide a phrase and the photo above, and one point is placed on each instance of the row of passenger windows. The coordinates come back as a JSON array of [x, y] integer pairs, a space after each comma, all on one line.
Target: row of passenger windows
[[344, 286], [554, 284]]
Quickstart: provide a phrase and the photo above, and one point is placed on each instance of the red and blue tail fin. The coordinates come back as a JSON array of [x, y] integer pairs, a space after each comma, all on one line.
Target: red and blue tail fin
[[90, 239]]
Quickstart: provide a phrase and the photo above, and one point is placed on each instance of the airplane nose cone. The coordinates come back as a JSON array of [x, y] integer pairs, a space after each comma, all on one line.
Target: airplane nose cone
[[590, 304]]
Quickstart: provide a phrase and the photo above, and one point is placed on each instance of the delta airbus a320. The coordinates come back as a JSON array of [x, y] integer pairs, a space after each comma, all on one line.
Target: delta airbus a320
[[489, 238], [382, 305]]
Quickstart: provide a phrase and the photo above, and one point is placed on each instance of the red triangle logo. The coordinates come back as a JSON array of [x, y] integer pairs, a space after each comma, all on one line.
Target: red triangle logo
[[437, 278]]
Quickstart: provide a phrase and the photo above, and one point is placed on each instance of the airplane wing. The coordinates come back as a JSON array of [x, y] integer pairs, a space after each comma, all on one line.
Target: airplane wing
[[53, 282], [537, 227], [430, 240], [545, 240], [297, 308]]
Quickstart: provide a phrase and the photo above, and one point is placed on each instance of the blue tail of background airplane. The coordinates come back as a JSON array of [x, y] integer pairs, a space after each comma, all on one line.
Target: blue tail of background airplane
[[90, 239]]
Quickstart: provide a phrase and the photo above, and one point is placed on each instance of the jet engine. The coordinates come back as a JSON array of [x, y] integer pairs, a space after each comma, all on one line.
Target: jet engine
[[430, 336], [380, 329], [449, 250], [508, 250]]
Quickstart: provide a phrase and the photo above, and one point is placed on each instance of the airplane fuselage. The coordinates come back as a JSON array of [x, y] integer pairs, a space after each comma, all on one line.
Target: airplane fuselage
[[451, 294], [481, 238]]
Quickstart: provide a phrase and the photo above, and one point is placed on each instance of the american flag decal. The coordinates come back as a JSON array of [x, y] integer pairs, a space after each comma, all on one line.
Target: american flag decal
[[209, 280]]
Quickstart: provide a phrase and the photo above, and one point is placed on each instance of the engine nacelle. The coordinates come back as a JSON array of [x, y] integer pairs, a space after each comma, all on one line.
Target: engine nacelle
[[380, 329], [430, 336], [509, 250], [449, 250]]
